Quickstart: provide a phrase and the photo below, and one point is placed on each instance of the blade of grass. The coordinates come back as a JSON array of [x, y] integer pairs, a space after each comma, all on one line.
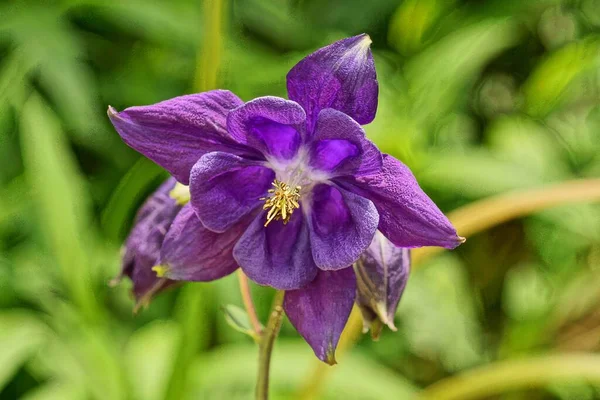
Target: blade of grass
[[60, 200], [494, 379]]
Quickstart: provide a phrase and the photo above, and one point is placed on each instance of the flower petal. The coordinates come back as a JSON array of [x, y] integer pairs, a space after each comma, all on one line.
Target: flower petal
[[175, 133], [141, 251], [191, 252], [381, 276], [340, 76], [319, 311], [272, 125], [340, 146], [277, 255], [407, 216], [224, 188], [342, 225]]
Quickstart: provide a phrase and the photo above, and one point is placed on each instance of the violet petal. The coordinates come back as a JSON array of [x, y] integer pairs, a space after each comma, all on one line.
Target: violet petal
[[381, 276], [342, 225], [340, 76], [191, 252], [407, 216], [340, 147], [272, 125], [320, 310], [224, 188], [277, 255], [175, 133]]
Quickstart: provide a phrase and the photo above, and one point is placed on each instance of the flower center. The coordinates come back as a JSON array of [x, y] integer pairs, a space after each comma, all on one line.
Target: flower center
[[281, 202]]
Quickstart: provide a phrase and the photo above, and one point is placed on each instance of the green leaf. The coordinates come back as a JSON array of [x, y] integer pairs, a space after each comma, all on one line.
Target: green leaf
[[411, 22], [438, 299], [439, 76], [61, 201], [193, 309], [527, 144], [546, 85], [230, 372], [82, 354], [474, 174], [527, 293], [172, 24], [149, 359], [239, 320], [129, 192], [55, 391], [21, 335], [42, 40]]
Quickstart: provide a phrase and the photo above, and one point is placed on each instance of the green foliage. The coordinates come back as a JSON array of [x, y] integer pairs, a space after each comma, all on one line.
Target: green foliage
[[239, 320], [477, 97]]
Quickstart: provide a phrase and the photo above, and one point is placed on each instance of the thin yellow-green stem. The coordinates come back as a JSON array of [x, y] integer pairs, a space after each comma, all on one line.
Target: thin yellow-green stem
[[503, 376], [211, 47], [267, 340], [487, 213], [469, 220], [248, 303]]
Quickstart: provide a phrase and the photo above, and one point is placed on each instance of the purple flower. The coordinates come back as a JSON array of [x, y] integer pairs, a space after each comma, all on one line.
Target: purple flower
[[291, 190], [381, 275], [141, 251]]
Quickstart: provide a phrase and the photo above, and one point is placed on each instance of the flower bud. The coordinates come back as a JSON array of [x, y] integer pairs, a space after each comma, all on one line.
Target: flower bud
[[381, 275], [141, 251]]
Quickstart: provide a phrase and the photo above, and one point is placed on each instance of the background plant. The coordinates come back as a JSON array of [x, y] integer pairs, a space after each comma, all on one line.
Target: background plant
[[478, 98]]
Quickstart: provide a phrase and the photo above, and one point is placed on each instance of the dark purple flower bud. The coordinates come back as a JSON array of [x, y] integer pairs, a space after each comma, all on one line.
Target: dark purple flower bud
[[381, 275], [142, 248]]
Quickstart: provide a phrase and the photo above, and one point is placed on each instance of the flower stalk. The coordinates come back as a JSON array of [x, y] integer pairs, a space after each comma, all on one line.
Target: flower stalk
[[267, 340], [248, 303]]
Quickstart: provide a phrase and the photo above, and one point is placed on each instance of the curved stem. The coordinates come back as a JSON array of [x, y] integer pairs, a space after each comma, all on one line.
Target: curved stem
[[487, 213], [502, 376], [248, 303], [266, 346]]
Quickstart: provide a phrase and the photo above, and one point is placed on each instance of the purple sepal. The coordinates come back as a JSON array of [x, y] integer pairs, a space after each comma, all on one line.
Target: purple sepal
[[407, 216], [191, 252], [175, 133], [319, 311], [340, 76]]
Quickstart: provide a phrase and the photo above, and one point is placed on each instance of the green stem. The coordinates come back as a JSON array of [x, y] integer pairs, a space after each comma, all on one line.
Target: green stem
[[266, 346], [497, 378]]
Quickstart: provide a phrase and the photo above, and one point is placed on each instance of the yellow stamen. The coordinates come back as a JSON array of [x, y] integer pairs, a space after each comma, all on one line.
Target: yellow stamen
[[281, 202], [180, 193], [160, 270]]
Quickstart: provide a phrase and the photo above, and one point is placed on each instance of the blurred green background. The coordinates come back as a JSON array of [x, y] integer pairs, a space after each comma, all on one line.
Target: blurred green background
[[478, 97]]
